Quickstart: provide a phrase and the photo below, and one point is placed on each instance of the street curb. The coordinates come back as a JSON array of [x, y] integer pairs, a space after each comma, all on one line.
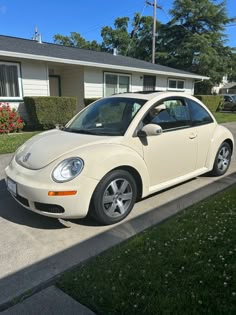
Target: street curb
[[130, 228]]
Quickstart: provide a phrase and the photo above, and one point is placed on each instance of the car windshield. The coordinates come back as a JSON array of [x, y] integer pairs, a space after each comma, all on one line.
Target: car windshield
[[108, 116], [234, 98]]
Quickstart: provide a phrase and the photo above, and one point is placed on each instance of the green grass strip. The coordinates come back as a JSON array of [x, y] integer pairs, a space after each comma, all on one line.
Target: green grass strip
[[224, 117], [186, 265], [9, 143]]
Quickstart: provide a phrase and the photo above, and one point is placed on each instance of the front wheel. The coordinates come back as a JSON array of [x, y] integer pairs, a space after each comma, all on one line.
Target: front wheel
[[114, 197], [222, 160]]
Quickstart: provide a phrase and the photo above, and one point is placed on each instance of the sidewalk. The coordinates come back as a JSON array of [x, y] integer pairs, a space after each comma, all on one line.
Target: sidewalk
[[50, 301]]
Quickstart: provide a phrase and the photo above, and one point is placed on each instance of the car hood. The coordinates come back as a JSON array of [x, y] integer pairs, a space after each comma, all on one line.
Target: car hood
[[46, 147]]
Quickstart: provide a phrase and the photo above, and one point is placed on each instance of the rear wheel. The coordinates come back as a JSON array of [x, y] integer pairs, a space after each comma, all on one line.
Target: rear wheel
[[114, 197], [222, 160]]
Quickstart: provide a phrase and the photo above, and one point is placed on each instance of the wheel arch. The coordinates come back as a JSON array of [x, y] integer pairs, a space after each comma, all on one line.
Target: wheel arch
[[137, 177], [230, 142], [222, 135]]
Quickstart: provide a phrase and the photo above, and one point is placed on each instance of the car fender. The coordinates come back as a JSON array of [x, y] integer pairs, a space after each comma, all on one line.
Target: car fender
[[110, 157], [221, 134]]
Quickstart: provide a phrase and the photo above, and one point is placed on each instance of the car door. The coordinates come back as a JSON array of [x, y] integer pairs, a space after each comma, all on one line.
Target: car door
[[204, 128], [173, 153]]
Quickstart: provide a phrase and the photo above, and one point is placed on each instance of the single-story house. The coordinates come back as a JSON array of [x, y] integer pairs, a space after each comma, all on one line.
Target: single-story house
[[228, 88], [35, 68]]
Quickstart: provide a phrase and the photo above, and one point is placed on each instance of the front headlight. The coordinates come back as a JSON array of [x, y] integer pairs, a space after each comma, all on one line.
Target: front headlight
[[67, 170]]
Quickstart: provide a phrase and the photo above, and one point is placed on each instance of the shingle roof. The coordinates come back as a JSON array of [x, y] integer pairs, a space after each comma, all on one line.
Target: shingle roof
[[229, 85], [31, 47]]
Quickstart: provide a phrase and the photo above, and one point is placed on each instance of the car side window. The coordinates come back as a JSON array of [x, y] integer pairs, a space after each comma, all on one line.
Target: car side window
[[198, 114], [170, 114]]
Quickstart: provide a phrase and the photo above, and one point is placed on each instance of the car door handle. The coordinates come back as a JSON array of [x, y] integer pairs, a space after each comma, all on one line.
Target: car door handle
[[192, 135]]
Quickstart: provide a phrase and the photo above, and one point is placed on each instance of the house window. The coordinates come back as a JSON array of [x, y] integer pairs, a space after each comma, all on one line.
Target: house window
[[174, 84], [10, 81], [116, 83], [149, 83]]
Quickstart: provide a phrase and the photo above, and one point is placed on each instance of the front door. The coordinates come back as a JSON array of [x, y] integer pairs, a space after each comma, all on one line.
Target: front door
[[149, 83], [55, 85], [174, 152]]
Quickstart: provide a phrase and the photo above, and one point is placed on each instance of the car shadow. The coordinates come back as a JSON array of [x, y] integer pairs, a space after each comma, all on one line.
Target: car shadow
[[12, 211]]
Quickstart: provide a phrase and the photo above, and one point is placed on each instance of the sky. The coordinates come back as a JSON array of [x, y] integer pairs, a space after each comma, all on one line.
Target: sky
[[87, 17]]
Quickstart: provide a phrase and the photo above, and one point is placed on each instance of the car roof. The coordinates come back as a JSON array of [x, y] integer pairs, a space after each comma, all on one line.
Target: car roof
[[149, 95]]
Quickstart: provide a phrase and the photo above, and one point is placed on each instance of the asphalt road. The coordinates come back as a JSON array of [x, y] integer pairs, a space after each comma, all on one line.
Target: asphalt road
[[34, 249]]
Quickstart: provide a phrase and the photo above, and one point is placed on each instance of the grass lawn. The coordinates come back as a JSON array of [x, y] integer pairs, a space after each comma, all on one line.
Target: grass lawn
[[9, 143], [224, 117], [186, 265]]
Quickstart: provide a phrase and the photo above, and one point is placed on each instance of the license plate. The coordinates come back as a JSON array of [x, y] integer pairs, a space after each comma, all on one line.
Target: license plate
[[11, 185]]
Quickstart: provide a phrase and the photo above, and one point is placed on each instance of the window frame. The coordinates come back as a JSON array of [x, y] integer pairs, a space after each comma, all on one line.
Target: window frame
[[18, 67], [194, 124], [118, 74], [176, 80]]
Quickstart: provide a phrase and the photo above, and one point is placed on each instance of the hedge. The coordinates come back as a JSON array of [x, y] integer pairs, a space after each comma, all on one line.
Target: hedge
[[213, 102], [45, 112]]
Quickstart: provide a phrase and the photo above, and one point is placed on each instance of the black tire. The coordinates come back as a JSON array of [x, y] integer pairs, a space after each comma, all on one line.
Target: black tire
[[112, 202], [222, 160]]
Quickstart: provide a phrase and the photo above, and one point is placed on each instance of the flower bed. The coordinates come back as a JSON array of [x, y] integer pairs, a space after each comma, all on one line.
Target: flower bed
[[10, 120]]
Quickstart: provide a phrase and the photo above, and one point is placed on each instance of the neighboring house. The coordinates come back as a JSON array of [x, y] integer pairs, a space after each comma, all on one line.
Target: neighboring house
[[228, 88], [32, 68], [217, 88]]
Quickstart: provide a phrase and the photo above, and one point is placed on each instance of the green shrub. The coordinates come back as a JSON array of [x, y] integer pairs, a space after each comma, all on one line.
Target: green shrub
[[213, 102], [10, 120], [45, 112]]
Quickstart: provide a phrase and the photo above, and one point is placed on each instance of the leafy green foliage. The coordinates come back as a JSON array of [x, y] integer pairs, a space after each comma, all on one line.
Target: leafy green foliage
[[116, 38], [194, 41], [76, 40], [47, 112]]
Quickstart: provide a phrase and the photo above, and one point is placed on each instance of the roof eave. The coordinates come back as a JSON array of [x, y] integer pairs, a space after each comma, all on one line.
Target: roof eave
[[98, 65]]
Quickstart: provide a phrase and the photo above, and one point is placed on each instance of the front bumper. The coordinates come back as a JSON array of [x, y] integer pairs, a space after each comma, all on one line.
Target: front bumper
[[32, 187]]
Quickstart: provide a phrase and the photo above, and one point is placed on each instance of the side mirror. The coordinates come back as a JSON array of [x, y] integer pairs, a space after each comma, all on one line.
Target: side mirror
[[149, 130]]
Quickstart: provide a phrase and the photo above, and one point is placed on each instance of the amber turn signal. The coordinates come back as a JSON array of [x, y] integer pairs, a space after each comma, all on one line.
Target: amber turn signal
[[62, 193]]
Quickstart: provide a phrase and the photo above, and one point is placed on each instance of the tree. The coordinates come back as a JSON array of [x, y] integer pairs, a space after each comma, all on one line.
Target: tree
[[194, 39], [130, 38], [117, 38], [76, 40]]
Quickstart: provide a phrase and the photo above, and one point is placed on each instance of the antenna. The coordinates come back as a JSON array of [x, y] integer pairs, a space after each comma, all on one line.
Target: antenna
[[37, 37]]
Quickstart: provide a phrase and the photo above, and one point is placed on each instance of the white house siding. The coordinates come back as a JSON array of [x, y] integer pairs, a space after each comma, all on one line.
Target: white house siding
[[94, 82], [137, 82], [35, 78]]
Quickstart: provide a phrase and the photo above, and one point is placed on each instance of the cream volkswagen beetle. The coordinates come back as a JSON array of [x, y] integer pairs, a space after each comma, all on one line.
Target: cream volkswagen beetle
[[115, 151]]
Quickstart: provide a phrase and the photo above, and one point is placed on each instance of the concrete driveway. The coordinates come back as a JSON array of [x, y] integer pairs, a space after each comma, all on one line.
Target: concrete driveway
[[35, 249]]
